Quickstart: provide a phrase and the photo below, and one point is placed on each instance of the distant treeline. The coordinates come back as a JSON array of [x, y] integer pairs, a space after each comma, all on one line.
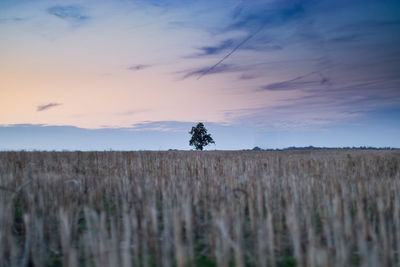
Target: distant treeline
[[320, 148]]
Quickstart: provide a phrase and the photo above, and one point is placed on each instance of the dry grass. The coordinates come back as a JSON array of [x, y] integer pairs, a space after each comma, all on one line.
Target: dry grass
[[248, 208]]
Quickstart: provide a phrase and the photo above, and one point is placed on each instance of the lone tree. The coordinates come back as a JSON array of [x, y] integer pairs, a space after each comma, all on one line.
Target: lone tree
[[200, 138]]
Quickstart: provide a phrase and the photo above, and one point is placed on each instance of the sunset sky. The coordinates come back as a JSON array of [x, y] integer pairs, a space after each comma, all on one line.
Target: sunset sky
[[137, 74]]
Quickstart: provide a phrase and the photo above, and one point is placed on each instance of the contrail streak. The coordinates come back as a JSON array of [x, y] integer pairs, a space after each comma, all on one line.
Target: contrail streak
[[230, 53]]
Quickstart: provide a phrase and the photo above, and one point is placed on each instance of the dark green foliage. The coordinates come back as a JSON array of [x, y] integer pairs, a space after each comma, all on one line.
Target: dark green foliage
[[54, 260], [287, 261], [205, 262], [200, 138], [355, 259], [18, 216]]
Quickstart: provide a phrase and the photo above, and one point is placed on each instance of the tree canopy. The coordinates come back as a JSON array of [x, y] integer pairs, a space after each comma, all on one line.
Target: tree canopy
[[200, 137]]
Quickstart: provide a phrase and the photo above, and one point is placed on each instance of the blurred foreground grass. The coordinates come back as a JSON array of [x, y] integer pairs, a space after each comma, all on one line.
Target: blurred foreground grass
[[237, 208]]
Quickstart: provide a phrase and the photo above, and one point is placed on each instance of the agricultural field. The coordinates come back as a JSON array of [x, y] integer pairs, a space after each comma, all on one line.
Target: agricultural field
[[210, 208]]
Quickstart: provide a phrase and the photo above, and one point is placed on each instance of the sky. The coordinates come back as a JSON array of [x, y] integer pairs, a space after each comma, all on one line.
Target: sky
[[138, 74]]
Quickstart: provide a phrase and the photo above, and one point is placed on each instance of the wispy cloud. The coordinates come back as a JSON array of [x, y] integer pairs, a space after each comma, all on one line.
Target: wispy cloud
[[213, 50], [222, 68], [320, 105], [294, 84], [369, 24], [162, 126], [74, 13], [210, 69], [12, 19], [131, 112], [253, 20], [266, 14], [298, 82], [245, 76], [344, 38], [138, 67], [258, 43], [47, 106]]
